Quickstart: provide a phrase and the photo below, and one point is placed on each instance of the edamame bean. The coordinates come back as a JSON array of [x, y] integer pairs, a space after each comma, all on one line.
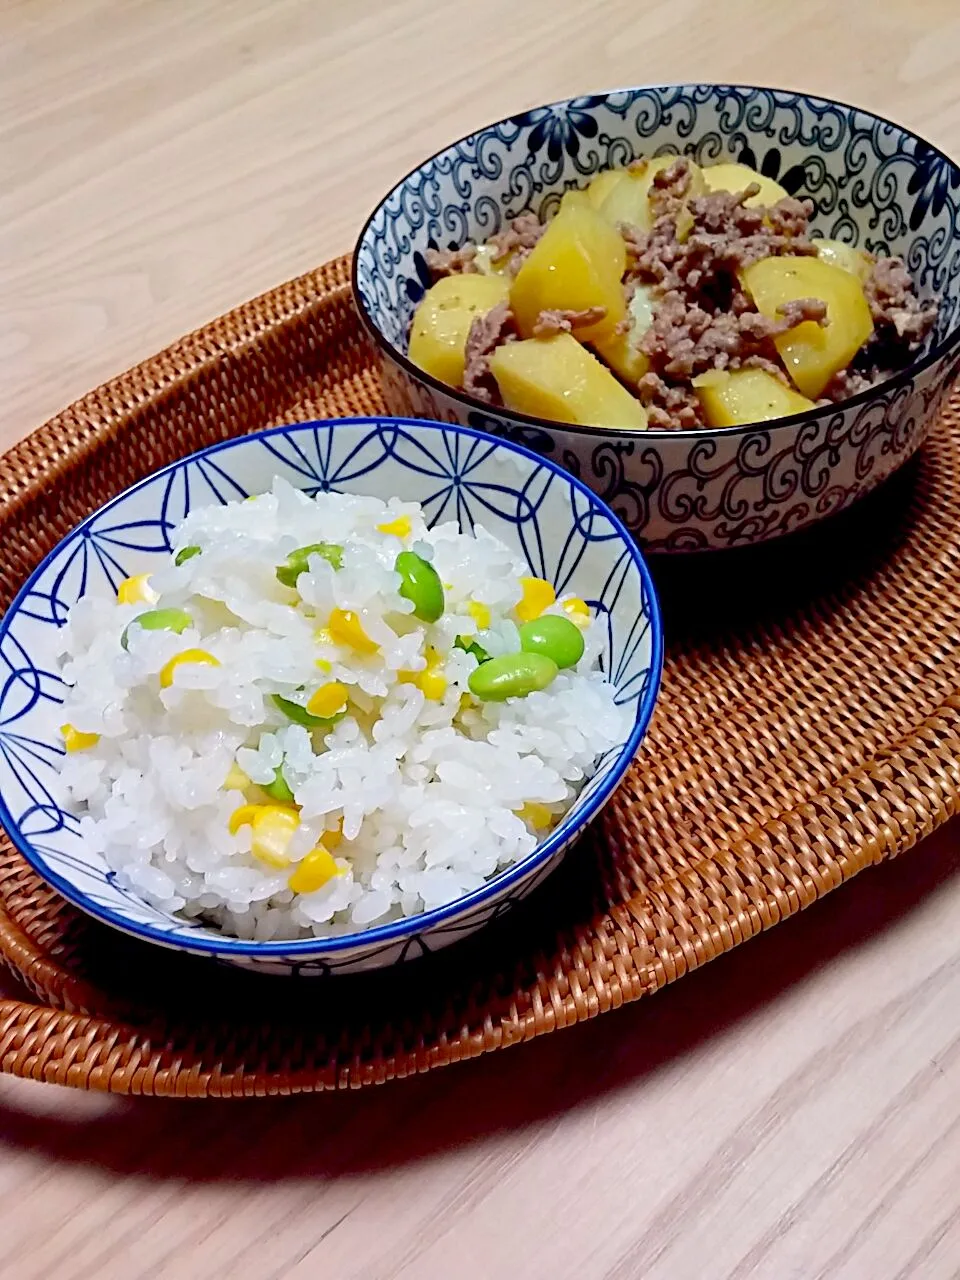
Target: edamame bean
[[278, 789], [297, 561], [420, 584], [558, 638], [158, 620], [186, 554], [513, 675]]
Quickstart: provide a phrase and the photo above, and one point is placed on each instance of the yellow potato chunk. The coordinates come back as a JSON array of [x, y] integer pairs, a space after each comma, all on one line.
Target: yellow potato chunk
[[736, 398], [737, 177], [443, 318], [577, 264], [600, 187], [812, 354], [558, 379], [621, 350], [847, 256], [487, 262], [629, 200]]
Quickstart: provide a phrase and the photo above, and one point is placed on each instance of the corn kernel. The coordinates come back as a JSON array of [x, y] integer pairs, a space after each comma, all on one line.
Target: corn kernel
[[136, 590], [479, 613], [334, 836], [74, 740], [236, 779], [273, 826], [314, 871], [329, 700], [323, 665], [431, 682], [345, 628], [400, 528], [577, 611], [538, 815], [187, 658], [538, 594]]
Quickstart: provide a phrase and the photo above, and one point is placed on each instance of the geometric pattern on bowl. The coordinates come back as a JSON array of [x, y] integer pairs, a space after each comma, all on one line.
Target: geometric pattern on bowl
[[873, 183], [557, 525]]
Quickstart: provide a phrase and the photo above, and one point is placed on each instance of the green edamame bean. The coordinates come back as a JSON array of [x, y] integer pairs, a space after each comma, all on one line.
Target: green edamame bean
[[158, 620], [472, 646], [558, 638], [278, 789], [513, 675], [297, 561], [186, 554], [420, 584]]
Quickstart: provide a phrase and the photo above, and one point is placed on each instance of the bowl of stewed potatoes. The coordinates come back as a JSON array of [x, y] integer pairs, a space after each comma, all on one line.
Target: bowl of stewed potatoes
[[731, 311]]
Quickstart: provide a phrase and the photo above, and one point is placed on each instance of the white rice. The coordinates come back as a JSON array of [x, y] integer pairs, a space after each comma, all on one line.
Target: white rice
[[430, 794]]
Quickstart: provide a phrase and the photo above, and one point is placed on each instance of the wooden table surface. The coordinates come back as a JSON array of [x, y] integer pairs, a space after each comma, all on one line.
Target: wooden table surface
[[791, 1111]]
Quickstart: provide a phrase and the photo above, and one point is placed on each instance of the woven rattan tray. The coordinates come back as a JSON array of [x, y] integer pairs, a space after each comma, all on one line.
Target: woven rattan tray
[[809, 725]]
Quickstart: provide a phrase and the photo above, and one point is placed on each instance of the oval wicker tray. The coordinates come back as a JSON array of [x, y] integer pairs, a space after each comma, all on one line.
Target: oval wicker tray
[[809, 726]]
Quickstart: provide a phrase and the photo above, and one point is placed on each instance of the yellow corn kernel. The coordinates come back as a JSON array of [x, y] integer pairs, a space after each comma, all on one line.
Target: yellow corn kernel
[[465, 702], [323, 665], [74, 740], [329, 700], [314, 871], [431, 681], [577, 611], [538, 815], [538, 594], [400, 528], [479, 613], [273, 829], [345, 628], [136, 590], [187, 658], [409, 677], [334, 836], [236, 779]]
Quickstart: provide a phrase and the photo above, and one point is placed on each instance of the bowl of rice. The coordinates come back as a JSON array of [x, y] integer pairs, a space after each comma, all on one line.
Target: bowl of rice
[[730, 310], [325, 697]]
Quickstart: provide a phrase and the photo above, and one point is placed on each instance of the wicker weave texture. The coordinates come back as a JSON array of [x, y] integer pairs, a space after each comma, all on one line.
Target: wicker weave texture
[[809, 726]]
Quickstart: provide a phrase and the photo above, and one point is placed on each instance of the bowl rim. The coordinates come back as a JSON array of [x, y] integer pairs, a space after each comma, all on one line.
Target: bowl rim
[[206, 941], [659, 434]]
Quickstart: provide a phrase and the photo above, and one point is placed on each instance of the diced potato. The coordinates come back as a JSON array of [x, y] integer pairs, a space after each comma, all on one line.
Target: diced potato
[[736, 398], [847, 256], [578, 263], [558, 379], [443, 318], [737, 177], [812, 354], [600, 187], [621, 350], [629, 201]]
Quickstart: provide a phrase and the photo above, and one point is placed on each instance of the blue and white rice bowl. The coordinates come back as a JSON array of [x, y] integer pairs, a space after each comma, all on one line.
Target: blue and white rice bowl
[[874, 184], [552, 524]]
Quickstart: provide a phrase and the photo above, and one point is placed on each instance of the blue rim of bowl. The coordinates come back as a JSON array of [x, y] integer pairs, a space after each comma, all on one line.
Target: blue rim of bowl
[[409, 926], [900, 378]]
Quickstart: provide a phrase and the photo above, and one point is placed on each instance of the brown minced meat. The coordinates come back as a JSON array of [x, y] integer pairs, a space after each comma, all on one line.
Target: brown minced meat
[[703, 318]]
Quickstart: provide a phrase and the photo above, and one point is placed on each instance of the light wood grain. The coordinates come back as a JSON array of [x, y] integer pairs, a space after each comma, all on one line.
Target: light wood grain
[[772, 1116]]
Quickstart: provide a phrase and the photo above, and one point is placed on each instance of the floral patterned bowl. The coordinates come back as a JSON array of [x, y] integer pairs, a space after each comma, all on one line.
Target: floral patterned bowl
[[874, 184], [546, 516]]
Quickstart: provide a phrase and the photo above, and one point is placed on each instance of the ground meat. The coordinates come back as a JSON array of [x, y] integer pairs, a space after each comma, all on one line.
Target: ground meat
[[790, 217], [451, 262], [687, 339], [670, 188], [893, 304], [486, 334], [669, 408], [550, 323], [843, 385], [522, 234]]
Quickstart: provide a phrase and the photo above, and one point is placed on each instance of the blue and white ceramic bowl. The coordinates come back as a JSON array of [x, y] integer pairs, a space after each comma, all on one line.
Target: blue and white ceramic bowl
[[874, 184], [549, 518]]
